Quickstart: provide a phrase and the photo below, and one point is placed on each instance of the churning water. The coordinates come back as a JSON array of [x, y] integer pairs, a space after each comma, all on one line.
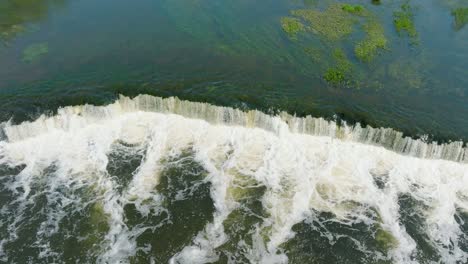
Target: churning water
[[164, 180]]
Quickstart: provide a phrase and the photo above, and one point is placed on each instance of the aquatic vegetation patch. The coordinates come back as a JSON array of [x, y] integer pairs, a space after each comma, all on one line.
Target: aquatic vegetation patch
[[337, 22], [353, 9], [404, 20], [334, 75], [339, 73], [315, 53], [334, 23], [375, 39], [385, 240], [460, 16], [35, 51], [292, 26]]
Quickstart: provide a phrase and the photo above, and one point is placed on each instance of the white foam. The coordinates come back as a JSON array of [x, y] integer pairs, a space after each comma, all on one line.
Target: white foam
[[70, 118], [321, 169]]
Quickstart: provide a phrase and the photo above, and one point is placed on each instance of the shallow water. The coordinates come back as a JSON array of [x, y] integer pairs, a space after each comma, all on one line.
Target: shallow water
[[234, 54], [371, 170]]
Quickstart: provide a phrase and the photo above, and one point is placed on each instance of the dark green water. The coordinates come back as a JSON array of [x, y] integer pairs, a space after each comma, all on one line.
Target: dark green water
[[148, 180]]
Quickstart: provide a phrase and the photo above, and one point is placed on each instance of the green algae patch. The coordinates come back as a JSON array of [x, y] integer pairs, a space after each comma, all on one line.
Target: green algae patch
[[460, 16], [241, 223], [292, 26], [337, 22], [82, 232], [334, 76], [375, 39], [404, 20], [333, 23], [94, 229], [341, 59], [385, 240], [35, 51], [353, 9], [98, 218], [339, 74], [338, 25], [243, 220], [316, 54]]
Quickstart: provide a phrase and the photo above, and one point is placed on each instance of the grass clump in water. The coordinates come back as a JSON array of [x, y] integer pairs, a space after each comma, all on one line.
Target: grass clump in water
[[375, 39], [403, 20], [34, 52], [334, 23], [461, 17], [338, 21], [292, 26], [334, 76], [353, 9], [339, 73]]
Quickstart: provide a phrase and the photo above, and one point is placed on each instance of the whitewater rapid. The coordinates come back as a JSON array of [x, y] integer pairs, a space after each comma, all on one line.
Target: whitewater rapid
[[296, 168]]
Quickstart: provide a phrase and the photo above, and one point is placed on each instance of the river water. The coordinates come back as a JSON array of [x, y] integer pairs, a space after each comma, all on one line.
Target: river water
[[260, 159]]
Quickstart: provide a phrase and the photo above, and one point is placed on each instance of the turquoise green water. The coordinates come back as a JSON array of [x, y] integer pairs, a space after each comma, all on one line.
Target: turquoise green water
[[151, 180]]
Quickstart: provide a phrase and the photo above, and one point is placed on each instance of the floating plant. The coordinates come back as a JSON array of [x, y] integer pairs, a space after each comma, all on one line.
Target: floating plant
[[404, 21], [292, 26]]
